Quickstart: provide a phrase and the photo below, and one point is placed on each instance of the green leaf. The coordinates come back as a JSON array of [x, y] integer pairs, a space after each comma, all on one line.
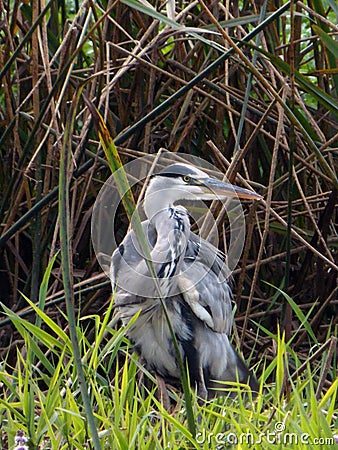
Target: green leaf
[[44, 287], [321, 96], [49, 322], [332, 50], [330, 43], [120, 439], [148, 9], [299, 313], [334, 5]]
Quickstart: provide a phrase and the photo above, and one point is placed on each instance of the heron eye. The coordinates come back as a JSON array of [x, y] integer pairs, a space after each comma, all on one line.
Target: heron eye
[[186, 178]]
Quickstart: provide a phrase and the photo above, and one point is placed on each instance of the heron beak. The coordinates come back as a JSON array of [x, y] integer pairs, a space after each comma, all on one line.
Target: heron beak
[[226, 190]]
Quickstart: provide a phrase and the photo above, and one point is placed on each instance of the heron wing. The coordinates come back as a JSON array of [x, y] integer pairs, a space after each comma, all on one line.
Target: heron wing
[[203, 280], [204, 283]]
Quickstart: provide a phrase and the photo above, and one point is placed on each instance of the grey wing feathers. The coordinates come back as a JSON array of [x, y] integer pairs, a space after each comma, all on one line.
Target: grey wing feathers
[[203, 279], [205, 284]]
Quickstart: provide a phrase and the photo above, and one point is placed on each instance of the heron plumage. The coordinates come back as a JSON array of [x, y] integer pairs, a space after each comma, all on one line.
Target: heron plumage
[[194, 281]]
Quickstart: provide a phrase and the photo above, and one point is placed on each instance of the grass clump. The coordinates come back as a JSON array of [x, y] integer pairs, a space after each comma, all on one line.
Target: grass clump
[[40, 395]]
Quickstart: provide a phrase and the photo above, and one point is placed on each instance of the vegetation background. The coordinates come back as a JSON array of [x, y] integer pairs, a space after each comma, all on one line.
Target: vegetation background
[[250, 86]]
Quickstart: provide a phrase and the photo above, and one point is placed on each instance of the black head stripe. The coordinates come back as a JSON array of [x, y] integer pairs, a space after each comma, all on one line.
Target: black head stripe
[[177, 170]]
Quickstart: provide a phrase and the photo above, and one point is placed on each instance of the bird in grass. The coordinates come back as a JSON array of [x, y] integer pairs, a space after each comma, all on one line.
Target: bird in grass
[[192, 280]]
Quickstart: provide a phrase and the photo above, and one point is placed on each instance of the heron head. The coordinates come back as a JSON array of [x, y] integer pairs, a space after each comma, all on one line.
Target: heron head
[[186, 182]]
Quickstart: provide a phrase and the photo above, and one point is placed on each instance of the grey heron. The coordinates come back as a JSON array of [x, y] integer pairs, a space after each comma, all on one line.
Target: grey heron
[[194, 284]]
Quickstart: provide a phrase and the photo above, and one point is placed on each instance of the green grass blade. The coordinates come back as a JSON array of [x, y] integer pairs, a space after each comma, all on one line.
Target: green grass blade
[[66, 252], [43, 289], [299, 313], [332, 47], [330, 43]]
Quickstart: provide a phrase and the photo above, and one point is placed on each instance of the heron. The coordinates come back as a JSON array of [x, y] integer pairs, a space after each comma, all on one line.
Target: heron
[[194, 285]]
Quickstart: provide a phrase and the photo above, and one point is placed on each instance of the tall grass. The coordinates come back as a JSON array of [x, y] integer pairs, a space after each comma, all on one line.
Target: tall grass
[[41, 396]]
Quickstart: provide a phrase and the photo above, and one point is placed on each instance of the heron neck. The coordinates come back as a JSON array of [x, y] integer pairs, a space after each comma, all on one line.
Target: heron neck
[[155, 202]]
